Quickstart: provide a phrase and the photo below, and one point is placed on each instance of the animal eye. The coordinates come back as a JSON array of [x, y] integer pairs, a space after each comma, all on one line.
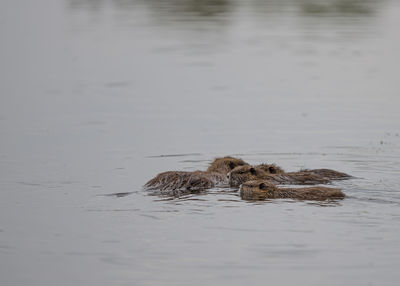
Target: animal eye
[[253, 171], [231, 165], [272, 170], [262, 186]]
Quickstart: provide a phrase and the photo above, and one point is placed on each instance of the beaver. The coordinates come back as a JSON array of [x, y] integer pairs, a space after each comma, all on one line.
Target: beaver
[[262, 189], [329, 174], [242, 174], [178, 182], [325, 173], [271, 168], [184, 181]]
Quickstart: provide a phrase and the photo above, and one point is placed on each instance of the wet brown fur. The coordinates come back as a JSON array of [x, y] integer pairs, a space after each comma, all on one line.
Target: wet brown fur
[[262, 189], [325, 173], [182, 181], [225, 165], [242, 174], [271, 168], [329, 174]]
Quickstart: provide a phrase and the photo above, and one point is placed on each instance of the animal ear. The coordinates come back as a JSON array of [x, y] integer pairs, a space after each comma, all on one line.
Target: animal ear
[[272, 170], [231, 165], [253, 171], [263, 186]]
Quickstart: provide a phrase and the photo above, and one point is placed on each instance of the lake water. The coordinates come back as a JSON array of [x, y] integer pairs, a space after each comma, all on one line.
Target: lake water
[[98, 96]]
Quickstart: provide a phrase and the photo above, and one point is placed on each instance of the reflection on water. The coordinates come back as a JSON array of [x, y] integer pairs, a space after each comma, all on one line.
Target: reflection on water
[[192, 10], [348, 8], [204, 8], [330, 18], [175, 10], [211, 7]]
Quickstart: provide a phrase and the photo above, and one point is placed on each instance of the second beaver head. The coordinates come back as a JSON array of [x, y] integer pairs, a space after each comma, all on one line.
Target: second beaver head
[[271, 168], [242, 174], [257, 190], [225, 164]]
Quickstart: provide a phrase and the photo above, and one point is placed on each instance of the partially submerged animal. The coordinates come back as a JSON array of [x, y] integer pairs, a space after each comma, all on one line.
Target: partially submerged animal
[[184, 181], [328, 174], [242, 174], [178, 182], [271, 168], [230, 171], [325, 173], [263, 189]]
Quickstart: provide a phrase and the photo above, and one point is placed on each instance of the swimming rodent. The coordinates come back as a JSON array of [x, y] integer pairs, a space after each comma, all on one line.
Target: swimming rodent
[[329, 174], [325, 173], [242, 174], [179, 182], [262, 189]]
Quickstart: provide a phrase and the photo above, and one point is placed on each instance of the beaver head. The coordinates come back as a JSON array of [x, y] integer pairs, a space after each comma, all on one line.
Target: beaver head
[[242, 174], [225, 165], [257, 189], [271, 168]]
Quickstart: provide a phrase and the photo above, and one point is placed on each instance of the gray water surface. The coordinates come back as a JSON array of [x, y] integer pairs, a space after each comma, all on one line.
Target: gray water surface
[[98, 96]]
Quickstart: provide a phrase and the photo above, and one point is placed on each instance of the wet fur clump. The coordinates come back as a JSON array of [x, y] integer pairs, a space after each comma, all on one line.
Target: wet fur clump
[[225, 165], [233, 172], [262, 189], [242, 174], [271, 168], [328, 174], [181, 182], [325, 173]]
